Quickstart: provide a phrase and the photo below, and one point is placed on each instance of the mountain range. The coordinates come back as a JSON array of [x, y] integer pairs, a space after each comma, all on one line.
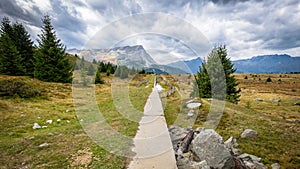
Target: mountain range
[[268, 64], [137, 56], [259, 64]]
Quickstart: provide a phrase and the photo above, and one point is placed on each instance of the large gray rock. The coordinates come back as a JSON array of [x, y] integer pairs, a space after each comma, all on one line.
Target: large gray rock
[[177, 134], [209, 146], [248, 133]]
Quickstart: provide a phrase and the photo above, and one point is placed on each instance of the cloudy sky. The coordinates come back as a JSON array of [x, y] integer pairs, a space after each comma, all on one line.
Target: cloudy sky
[[170, 28]]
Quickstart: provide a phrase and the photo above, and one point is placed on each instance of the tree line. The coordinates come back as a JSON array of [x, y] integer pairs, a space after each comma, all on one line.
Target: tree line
[[47, 61]]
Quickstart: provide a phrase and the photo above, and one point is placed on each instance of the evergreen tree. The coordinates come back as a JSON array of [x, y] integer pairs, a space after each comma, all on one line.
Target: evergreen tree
[[98, 79], [10, 59], [203, 82], [52, 63], [6, 27], [213, 71], [24, 45], [21, 40]]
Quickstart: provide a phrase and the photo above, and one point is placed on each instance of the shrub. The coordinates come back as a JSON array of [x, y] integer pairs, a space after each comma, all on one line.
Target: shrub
[[269, 79], [18, 87]]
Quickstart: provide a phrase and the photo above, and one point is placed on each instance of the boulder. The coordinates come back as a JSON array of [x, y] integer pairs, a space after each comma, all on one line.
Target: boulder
[[187, 163], [209, 146], [249, 133], [177, 134]]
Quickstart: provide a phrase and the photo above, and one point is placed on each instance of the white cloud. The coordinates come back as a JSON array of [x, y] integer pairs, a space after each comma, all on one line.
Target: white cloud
[[248, 28]]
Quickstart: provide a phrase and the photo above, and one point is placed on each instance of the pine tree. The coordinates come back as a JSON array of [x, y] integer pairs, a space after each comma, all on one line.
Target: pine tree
[[52, 63], [203, 82], [24, 45], [98, 79], [6, 27], [10, 59], [213, 71]]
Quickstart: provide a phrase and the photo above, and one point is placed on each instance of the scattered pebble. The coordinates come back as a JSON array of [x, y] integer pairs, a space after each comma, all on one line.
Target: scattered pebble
[[49, 121], [67, 111], [81, 120], [259, 99], [44, 145], [36, 126], [44, 127], [58, 120], [68, 121], [190, 113]]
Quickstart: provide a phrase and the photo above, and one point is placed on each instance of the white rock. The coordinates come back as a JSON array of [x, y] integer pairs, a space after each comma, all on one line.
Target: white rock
[[190, 113], [276, 166], [49, 121], [44, 127], [44, 145], [259, 99], [193, 105], [249, 133], [67, 111], [58, 120], [68, 121], [36, 126]]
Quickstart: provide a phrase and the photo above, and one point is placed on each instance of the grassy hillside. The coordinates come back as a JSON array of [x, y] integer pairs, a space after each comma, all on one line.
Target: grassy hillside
[[66, 144], [276, 122]]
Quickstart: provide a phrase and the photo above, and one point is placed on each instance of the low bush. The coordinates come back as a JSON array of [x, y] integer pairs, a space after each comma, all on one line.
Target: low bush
[[20, 87]]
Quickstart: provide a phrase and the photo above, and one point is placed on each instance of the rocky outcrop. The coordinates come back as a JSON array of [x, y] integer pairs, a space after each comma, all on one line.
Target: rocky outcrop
[[209, 146], [208, 150]]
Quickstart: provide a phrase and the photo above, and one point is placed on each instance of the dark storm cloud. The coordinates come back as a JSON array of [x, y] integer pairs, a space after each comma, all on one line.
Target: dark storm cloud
[[247, 27], [14, 12], [64, 20]]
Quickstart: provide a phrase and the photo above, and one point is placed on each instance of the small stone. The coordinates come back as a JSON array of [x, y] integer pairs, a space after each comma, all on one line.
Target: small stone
[[67, 111], [58, 120], [231, 142], [68, 121], [249, 133], [44, 145], [276, 166], [259, 99], [39, 117], [36, 126], [81, 120], [193, 105], [49, 121], [190, 113], [44, 127], [275, 99]]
